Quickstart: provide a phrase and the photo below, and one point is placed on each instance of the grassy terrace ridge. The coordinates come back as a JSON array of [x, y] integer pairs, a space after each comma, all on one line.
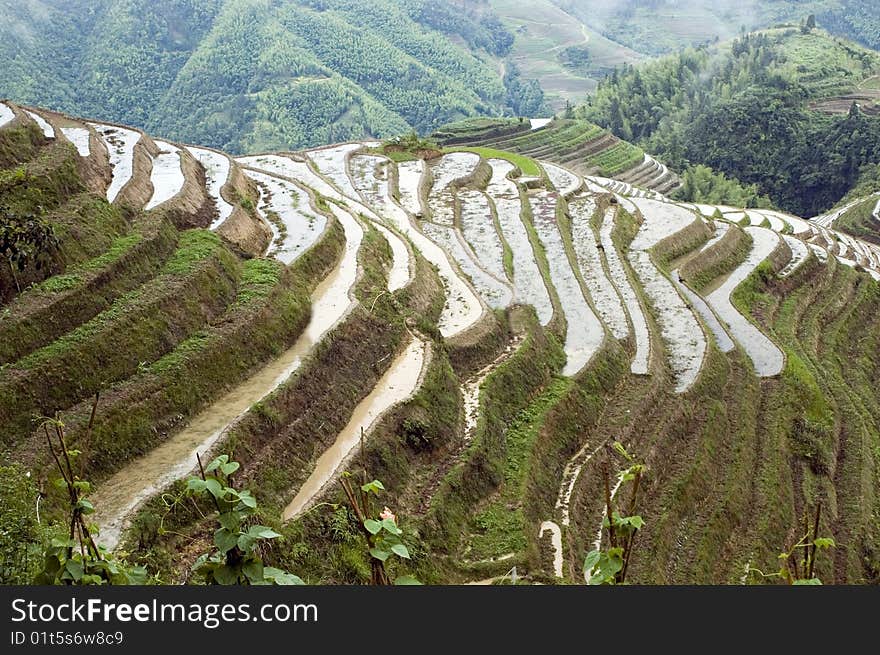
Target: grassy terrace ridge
[[505, 393], [860, 222], [194, 286], [58, 304], [528, 166], [563, 139], [19, 143], [498, 529], [478, 128], [722, 257], [269, 312]]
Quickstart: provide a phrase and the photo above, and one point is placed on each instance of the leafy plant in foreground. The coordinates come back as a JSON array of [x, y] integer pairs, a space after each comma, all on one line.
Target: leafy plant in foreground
[[77, 559], [610, 566], [235, 559], [382, 533], [798, 563]]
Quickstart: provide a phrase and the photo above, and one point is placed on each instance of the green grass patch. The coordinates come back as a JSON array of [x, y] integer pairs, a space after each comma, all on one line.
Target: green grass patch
[[528, 166], [500, 528], [194, 247]]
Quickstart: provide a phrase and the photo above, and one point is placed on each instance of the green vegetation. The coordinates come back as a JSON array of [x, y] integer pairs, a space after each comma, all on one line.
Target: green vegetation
[[860, 221], [703, 185], [528, 166], [149, 321], [500, 528], [742, 109], [580, 144]]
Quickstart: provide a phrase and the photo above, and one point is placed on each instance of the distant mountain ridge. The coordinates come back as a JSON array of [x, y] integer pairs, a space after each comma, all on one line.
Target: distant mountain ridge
[[250, 75]]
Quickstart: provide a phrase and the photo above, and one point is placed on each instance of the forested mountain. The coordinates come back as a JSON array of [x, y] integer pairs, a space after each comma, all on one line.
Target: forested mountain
[[786, 110], [259, 74]]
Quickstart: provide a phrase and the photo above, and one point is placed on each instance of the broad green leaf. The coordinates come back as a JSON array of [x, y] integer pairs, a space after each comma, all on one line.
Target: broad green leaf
[[74, 568], [391, 526], [82, 485], [629, 521], [85, 505], [280, 577], [372, 526], [225, 575], [219, 461], [196, 485], [225, 540], [405, 580], [214, 488], [375, 487], [246, 542], [262, 532], [246, 499], [230, 521], [229, 468], [809, 581], [379, 554], [591, 560], [824, 542], [400, 550], [253, 570]]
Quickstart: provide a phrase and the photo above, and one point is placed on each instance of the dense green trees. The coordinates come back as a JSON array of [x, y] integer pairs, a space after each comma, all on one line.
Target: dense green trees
[[744, 111], [702, 184]]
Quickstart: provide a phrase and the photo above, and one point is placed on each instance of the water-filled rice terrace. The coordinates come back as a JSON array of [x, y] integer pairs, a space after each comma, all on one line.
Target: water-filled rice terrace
[[489, 332]]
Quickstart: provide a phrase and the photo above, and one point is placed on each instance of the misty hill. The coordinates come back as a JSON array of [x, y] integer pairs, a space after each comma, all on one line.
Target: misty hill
[[250, 75], [789, 112], [662, 26]]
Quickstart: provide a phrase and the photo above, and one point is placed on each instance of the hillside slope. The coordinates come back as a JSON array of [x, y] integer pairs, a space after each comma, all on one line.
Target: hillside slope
[[493, 322], [251, 75]]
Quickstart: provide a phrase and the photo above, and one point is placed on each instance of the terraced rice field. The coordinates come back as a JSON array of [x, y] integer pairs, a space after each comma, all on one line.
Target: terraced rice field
[[766, 357], [295, 227], [331, 163], [681, 333], [478, 229], [217, 167], [590, 260], [79, 137], [409, 177], [528, 283], [167, 175], [748, 385], [120, 143], [6, 114], [584, 333], [45, 127]]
